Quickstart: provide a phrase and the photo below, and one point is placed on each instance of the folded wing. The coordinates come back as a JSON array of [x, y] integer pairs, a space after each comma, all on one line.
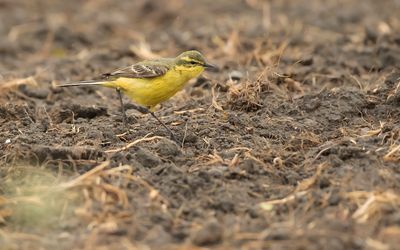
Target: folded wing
[[140, 70]]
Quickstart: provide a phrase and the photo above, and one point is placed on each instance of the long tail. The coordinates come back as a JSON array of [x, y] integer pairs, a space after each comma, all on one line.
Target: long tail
[[83, 83]]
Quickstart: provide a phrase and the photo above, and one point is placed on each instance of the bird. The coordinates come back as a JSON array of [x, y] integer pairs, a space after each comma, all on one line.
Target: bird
[[151, 82]]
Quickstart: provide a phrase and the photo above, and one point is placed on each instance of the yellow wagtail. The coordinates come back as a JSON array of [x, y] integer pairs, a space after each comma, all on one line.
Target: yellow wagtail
[[151, 82]]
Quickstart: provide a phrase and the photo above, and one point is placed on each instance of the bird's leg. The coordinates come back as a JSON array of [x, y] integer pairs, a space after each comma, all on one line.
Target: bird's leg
[[144, 110], [165, 126], [124, 119]]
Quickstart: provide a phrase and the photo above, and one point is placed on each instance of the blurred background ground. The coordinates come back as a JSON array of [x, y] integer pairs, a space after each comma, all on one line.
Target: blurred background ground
[[293, 144]]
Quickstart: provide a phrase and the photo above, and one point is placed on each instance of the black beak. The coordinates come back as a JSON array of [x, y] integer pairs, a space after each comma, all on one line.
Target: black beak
[[210, 66]]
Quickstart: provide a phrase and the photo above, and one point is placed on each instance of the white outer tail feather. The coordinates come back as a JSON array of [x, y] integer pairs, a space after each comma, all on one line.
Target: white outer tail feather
[[82, 83]]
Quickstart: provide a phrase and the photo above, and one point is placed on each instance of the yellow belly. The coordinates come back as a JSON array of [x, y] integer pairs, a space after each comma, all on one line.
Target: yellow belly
[[151, 91]]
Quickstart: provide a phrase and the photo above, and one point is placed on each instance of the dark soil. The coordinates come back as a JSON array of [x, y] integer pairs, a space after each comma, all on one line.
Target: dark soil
[[293, 144]]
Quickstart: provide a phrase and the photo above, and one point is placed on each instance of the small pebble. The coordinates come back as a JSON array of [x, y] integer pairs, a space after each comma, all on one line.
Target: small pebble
[[236, 75]]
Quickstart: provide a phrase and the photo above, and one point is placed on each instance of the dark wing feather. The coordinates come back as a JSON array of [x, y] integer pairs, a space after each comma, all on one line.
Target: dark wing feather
[[140, 70]]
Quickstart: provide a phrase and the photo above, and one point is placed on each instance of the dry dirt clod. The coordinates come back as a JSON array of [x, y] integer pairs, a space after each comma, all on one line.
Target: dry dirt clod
[[147, 158], [34, 92], [89, 112], [158, 235], [167, 148], [210, 233], [43, 152]]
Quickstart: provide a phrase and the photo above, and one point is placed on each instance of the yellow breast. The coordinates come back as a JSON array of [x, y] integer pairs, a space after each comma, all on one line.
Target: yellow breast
[[151, 91]]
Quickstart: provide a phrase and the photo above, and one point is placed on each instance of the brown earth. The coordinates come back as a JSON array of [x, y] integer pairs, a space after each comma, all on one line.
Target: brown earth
[[293, 144]]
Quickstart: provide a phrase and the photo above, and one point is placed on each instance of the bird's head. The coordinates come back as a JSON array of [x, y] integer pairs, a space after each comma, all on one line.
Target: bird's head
[[193, 60]]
